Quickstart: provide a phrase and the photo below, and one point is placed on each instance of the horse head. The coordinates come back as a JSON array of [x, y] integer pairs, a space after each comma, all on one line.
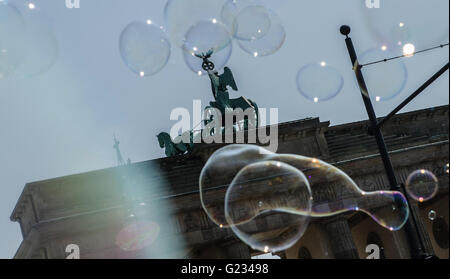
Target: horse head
[[162, 137]]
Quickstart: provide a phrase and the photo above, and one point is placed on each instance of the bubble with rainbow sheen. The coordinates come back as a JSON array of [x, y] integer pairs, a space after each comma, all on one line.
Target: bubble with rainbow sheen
[[422, 185], [333, 191]]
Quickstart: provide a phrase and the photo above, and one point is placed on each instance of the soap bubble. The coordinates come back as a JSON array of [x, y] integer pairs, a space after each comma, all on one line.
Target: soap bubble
[[12, 32], [137, 235], [263, 199], [40, 44], [319, 82], [144, 47], [203, 37], [181, 15], [422, 185], [251, 23], [219, 171], [32, 49], [246, 19], [333, 191], [446, 168], [270, 43], [384, 80], [403, 21], [432, 215]]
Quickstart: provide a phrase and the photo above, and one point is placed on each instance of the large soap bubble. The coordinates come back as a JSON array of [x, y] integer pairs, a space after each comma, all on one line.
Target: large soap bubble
[[181, 15], [12, 32], [403, 21], [384, 80], [144, 47], [422, 185], [263, 199], [333, 191], [208, 36], [319, 82], [246, 19]]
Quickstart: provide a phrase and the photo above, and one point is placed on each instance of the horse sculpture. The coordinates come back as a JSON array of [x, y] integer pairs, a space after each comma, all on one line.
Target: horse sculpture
[[173, 149]]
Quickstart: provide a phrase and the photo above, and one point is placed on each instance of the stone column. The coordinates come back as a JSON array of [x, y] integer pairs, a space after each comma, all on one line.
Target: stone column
[[238, 250], [341, 240]]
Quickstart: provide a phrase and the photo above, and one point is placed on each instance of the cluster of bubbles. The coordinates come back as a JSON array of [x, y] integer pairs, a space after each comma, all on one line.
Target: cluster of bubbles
[[268, 199], [400, 29], [200, 27], [422, 185], [398, 32], [28, 46]]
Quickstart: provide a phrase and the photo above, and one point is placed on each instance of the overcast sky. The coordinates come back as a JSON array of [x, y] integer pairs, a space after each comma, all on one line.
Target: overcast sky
[[62, 122]]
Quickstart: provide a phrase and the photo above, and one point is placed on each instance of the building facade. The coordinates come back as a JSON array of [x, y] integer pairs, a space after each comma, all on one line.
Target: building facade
[[105, 213]]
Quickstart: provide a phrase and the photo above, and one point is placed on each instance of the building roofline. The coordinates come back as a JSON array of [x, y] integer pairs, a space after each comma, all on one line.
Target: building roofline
[[161, 161]]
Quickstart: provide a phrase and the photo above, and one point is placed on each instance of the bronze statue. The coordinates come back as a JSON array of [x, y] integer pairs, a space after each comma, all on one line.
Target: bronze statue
[[173, 149], [223, 103]]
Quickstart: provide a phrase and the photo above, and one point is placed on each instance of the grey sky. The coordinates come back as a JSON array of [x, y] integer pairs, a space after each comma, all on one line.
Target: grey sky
[[62, 121]]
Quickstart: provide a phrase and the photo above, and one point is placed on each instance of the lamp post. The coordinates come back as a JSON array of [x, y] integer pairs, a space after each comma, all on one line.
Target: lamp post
[[414, 239]]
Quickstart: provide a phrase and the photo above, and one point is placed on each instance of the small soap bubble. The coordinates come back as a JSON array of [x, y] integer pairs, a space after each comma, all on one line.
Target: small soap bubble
[[181, 15], [384, 80], [402, 21], [268, 44], [319, 82], [144, 48], [246, 19], [204, 37], [422, 185], [432, 215]]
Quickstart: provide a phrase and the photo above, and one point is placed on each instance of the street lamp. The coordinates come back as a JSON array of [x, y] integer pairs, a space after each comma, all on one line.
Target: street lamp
[[414, 239]]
